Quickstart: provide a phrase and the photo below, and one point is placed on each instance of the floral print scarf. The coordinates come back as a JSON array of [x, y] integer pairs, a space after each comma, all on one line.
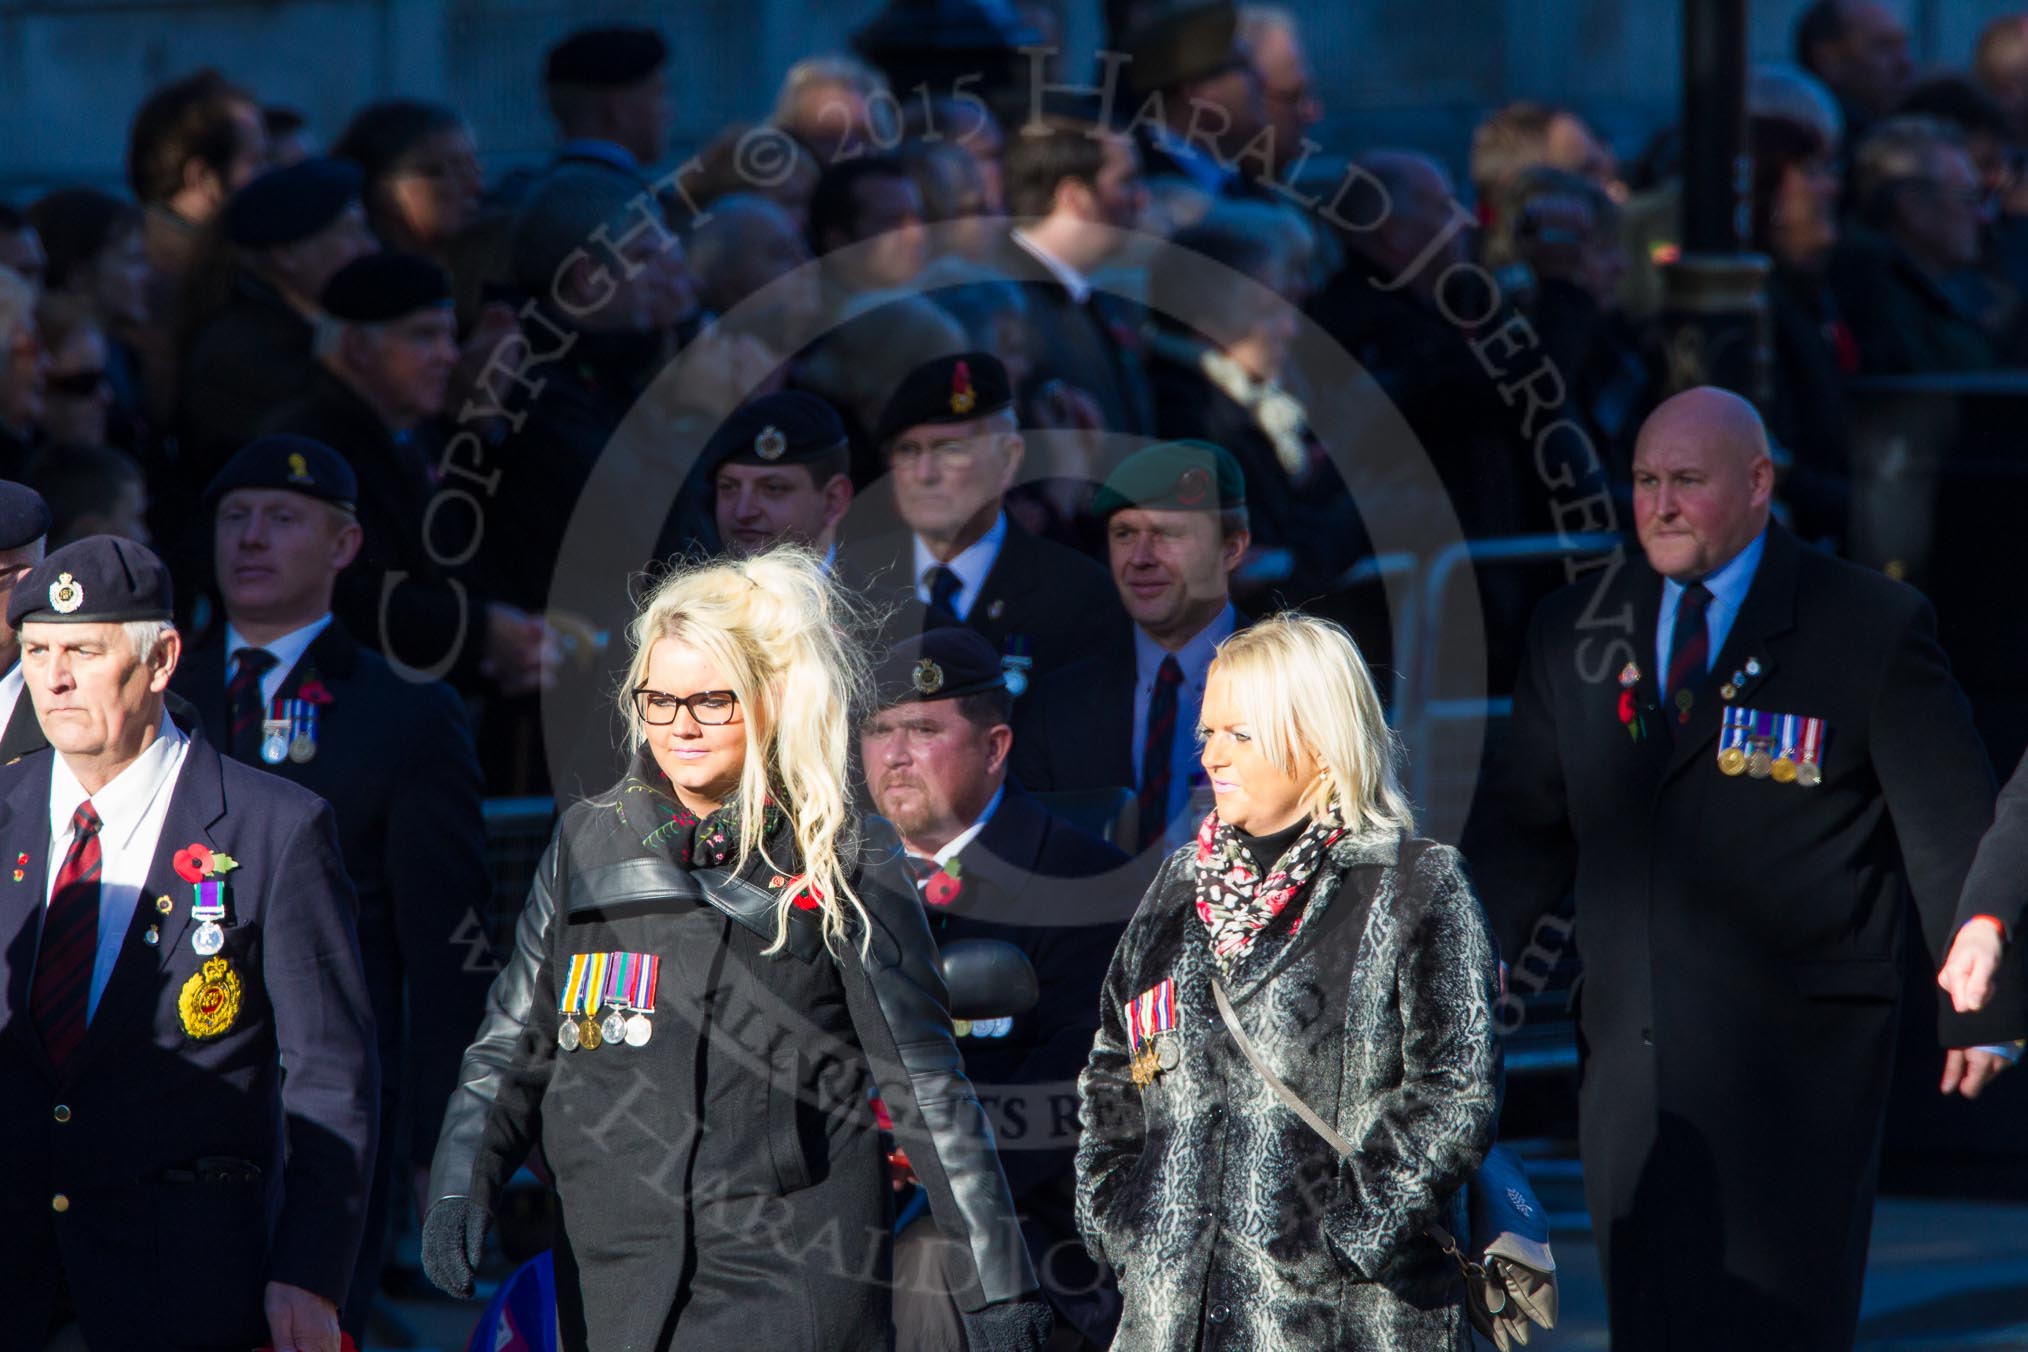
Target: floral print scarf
[[1234, 901], [649, 803]]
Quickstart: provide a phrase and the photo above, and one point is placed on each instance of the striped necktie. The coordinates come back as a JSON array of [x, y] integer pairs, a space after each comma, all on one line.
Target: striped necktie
[[1158, 750], [1689, 650], [243, 698], [70, 941]]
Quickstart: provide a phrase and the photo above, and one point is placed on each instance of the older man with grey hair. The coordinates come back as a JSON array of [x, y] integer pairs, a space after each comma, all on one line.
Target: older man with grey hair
[[187, 1070], [1921, 214]]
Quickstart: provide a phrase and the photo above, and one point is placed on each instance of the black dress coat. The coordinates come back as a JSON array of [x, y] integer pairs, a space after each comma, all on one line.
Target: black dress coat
[[1998, 883], [1062, 897], [1040, 599], [723, 1185], [429, 621], [395, 761], [192, 1170], [251, 358], [1232, 1223], [1740, 936]]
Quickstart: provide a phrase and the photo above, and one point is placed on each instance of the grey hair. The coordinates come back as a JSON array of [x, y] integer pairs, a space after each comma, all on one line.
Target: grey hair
[[1897, 149], [144, 636], [817, 71]]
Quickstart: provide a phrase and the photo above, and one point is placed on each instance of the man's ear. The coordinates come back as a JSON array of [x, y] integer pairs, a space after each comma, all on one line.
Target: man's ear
[[1233, 550], [1014, 446], [999, 745], [345, 544], [168, 652], [837, 499]]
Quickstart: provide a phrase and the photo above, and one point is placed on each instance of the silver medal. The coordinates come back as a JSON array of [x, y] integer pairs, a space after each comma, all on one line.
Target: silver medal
[[1166, 1054], [208, 939], [639, 1030], [614, 1028], [275, 741], [304, 747], [566, 1035]]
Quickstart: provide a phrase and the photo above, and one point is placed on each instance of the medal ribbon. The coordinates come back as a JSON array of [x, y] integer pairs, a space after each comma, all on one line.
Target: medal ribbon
[[647, 970], [1813, 741], [207, 900], [1788, 740]]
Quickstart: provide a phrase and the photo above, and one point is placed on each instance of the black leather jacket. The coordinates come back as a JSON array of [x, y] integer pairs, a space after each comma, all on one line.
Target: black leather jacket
[[518, 1089]]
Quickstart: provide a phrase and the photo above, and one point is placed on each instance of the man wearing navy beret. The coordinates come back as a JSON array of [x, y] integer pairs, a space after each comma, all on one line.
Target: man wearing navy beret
[[779, 473], [176, 934], [24, 529], [954, 448], [286, 688], [290, 229]]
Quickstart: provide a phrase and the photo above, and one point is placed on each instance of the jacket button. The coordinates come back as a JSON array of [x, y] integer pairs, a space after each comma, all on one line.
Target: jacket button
[[62, 1112], [1219, 1313], [59, 1203]]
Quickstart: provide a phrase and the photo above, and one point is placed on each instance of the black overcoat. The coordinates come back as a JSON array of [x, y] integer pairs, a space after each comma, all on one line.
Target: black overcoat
[[1740, 935]]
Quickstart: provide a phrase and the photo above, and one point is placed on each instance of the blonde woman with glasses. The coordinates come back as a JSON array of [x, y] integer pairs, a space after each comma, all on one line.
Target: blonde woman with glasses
[[717, 963], [1354, 963]]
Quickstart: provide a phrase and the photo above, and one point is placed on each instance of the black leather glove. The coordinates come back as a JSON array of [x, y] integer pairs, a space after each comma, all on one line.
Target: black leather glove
[[454, 1235], [1010, 1326]]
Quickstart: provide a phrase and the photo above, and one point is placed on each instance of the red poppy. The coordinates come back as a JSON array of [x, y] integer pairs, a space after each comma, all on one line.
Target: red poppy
[[808, 900], [314, 692], [1627, 709], [941, 889], [192, 863]]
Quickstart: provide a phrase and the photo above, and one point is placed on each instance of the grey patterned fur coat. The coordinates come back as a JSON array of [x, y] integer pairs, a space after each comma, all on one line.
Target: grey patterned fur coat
[[1232, 1224]]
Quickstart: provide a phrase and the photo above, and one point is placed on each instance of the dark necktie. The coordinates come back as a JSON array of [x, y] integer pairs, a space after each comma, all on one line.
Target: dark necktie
[[243, 698], [1157, 750], [923, 868], [70, 942], [944, 587], [1689, 650]]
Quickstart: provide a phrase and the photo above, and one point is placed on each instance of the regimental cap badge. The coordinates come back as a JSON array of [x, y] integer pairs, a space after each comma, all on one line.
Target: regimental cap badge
[[1193, 486], [928, 678], [299, 469], [963, 397], [770, 444], [65, 594]]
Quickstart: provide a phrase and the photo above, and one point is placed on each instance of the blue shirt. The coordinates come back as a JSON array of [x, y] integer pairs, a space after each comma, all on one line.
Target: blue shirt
[[1728, 587], [1186, 771]]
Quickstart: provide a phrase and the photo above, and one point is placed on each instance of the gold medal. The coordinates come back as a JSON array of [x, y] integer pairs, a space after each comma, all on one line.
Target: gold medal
[[210, 999], [1783, 771], [588, 1035], [1732, 761]]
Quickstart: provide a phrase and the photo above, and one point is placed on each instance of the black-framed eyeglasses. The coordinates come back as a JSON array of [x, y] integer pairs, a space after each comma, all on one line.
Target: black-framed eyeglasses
[[711, 708]]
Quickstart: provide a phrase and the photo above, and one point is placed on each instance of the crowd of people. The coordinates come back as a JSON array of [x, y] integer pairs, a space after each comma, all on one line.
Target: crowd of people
[[921, 517]]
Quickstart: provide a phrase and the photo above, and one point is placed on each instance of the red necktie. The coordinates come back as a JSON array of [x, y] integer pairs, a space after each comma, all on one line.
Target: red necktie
[[1689, 648], [1156, 749], [70, 941]]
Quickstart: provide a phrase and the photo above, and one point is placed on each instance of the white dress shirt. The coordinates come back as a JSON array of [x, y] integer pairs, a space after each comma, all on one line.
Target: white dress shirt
[[1186, 772], [131, 808], [286, 650], [972, 565]]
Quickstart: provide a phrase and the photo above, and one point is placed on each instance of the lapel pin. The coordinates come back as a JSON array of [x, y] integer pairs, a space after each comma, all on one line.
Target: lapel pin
[[1753, 666], [996, 610], [152, 937], [163, 905]]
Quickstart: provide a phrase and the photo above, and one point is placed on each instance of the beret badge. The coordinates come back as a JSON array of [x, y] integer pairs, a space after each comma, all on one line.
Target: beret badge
[[928, 678], [65, 594], [770, 444], [299, 468], [1193, 486], [963, 397]]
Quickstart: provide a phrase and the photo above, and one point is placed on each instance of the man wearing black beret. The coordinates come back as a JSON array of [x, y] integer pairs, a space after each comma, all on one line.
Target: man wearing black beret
[[187, 1078], [1125, 716], [289, 230], [953, 449], [992, 863], [24, 529], [778, 468], [386, 347], [286, 687], [609, 94]]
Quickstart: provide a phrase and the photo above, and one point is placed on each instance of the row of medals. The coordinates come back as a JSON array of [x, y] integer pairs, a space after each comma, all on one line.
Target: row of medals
[[276, 744], [1762, 763], [621, 1024]]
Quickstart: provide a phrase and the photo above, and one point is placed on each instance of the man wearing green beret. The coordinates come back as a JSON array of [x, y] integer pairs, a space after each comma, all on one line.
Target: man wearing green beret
[[1176, 528]]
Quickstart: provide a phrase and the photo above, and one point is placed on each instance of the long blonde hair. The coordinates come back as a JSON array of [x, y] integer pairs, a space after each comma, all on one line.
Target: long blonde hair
[[1302, 685], [781, 632]]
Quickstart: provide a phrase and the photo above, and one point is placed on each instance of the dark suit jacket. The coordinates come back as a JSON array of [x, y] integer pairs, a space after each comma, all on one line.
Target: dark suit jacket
[[194, 1170], [417, 622], [1063, 897], [1998, 883], [1740, 935], [395, 760], [252, 357], [1040, 596]]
